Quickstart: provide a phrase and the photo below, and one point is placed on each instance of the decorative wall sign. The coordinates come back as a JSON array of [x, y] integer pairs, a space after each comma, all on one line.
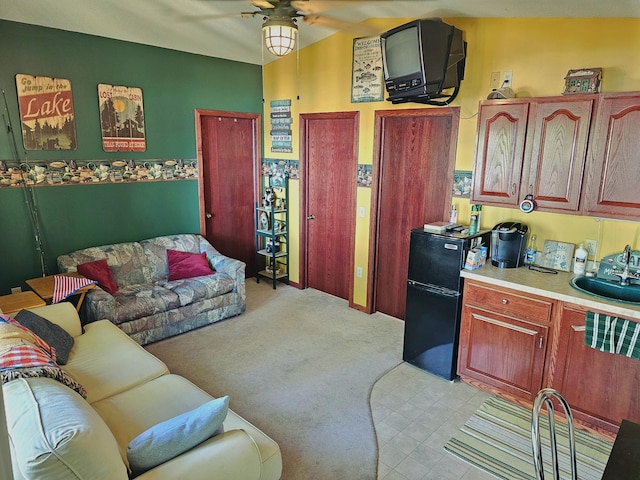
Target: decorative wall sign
[[77, 172], [365, 175], [121, 118], [281, 121], [462, 183], [557, 255], [46, 113], [366, 79]]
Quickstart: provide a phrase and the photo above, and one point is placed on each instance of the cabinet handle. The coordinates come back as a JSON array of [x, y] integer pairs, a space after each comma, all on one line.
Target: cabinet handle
[[541, 339], [513, 189], [505, 301]]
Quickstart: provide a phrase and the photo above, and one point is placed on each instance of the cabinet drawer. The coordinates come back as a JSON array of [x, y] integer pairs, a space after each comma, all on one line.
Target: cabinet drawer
[[510, 302]]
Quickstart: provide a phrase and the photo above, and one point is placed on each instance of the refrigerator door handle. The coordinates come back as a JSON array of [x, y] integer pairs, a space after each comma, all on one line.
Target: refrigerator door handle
[[434, 289]]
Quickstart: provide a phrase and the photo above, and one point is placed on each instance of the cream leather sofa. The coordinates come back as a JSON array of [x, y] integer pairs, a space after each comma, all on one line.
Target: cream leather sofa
[[56, 434]]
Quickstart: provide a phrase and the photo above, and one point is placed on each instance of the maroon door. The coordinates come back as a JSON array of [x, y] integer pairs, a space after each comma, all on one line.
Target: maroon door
[[228, 146], [329, 143], [413, 168]]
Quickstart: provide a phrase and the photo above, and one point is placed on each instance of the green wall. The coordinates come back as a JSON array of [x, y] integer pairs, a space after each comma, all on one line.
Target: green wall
[[173, 85]]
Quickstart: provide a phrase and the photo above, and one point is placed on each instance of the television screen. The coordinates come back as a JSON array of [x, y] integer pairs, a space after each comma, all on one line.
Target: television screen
[[403, 53], [421, 59]]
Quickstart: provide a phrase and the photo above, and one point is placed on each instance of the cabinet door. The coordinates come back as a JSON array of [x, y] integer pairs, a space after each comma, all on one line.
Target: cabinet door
[[557, 147], [613, 173], [502, 351], [500, 152], [601, 388]]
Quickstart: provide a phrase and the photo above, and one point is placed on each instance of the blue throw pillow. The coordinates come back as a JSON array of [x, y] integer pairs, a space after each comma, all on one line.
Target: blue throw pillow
[[168, 439]]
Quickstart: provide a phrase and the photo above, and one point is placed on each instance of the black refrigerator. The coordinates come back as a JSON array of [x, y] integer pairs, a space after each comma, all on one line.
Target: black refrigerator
[[434, 299]]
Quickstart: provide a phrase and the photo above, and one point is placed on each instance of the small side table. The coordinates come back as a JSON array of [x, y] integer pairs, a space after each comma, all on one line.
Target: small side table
[[44, 286], [15, 302]]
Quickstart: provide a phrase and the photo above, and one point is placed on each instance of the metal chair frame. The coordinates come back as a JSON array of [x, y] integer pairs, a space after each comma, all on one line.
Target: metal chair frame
[[545, 397]]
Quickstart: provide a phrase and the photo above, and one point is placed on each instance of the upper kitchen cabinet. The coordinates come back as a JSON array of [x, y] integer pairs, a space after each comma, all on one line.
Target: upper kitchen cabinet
[[534, 146], [502, 127], [556, 151], [613, 172]]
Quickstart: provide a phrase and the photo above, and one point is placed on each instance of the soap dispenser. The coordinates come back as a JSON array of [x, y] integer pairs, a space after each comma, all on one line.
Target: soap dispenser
[[580, 260]]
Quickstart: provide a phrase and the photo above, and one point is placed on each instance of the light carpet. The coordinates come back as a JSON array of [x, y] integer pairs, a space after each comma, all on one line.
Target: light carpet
[[300, 365], [497, 438]]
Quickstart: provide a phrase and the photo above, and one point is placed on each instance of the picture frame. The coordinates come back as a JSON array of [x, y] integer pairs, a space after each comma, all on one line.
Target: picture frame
[[462, 183]]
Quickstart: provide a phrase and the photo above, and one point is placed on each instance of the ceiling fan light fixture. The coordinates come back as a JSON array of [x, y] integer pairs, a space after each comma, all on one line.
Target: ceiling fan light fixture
[[280, 35]]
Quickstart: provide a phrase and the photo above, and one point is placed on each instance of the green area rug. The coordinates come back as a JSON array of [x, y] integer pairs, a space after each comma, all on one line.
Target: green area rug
[[497, 438]]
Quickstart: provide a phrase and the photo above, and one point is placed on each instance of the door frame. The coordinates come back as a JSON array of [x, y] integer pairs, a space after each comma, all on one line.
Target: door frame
[[257, 149], [380, 116], [304, 198]]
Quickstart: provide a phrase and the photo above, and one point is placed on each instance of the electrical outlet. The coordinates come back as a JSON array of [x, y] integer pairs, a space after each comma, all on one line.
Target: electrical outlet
[[359, 272], [592, 247], [16, 289], [507, 77], [495, 81]]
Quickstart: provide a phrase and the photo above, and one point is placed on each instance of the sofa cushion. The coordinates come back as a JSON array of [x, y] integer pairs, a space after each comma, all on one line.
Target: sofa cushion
[[192, 290], [176, 435], [99, 271], [143, 300], [54, 433], [155, 250], [127, 261], [51, 333], [187, 265], [128, 414], [107, 361]]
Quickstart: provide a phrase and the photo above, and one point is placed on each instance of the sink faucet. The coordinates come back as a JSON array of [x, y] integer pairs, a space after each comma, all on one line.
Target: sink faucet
[[625, 275]]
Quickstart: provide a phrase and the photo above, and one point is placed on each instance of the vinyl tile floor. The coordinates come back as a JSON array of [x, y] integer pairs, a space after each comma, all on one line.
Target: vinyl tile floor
[[415, 413]]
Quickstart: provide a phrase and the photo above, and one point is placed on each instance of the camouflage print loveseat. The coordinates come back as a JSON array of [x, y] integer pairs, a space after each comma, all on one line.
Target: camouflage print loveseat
[[147, 305]]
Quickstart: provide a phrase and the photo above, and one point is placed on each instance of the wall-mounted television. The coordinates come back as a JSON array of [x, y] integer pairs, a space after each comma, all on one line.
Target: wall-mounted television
[[423, 59]]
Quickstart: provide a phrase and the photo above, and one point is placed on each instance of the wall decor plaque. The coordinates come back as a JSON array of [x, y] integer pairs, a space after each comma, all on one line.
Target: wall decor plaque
[[47, 118], [121, 118]]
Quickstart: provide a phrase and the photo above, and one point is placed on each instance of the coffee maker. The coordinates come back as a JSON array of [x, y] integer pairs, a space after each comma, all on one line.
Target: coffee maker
[[508, 244]]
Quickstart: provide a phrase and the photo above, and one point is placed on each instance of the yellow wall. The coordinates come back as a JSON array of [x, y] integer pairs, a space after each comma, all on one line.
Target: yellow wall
[[538, 51]]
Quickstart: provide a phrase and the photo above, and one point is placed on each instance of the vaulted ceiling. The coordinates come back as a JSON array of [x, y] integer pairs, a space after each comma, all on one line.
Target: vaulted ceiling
[[215, 27]]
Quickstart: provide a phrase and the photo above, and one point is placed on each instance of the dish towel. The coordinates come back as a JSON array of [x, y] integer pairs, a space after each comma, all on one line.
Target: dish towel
[[64, 286], [612, 335]]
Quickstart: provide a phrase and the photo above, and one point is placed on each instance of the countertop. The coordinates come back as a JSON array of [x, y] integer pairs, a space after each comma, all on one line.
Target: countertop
[[554, 286]]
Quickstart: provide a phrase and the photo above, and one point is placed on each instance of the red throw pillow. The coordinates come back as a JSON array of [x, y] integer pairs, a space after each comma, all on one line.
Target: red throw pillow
[[187, 265], [101, 273]]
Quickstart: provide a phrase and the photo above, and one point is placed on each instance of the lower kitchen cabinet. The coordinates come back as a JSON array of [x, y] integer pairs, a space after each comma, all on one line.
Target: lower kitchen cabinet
[[503, 339], [513, 344], [601, 388]]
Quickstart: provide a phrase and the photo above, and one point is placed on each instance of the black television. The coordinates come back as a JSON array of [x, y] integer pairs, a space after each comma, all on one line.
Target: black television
[[421, 60]]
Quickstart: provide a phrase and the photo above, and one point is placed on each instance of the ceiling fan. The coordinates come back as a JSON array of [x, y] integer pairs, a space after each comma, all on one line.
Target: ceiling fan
[[280, 29]]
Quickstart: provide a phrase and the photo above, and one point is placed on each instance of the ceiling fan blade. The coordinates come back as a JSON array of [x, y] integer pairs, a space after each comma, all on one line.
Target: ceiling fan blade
[[309, 7], [342, 25], [262, 4]]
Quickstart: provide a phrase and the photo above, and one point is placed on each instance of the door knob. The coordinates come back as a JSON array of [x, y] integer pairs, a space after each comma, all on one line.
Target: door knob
[[311, 217], [207, 215]]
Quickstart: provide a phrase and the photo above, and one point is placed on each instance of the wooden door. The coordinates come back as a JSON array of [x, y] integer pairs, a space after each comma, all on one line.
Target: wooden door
[[413, 168], [228, 151], [613, 173], [329, 146], [559, 130], [500, 150], [602, 388]]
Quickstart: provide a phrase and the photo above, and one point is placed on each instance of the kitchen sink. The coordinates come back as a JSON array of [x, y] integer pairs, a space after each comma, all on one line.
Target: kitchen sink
[[607, 289]]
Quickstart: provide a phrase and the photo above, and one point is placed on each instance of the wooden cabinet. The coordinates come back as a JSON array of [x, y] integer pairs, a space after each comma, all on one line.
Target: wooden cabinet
[[613, 171], [601, 388], [535, 146], [503, 339], [502, 127]]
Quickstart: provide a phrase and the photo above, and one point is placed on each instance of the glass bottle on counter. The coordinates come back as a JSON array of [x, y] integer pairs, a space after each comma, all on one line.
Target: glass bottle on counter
[[530, 252]]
